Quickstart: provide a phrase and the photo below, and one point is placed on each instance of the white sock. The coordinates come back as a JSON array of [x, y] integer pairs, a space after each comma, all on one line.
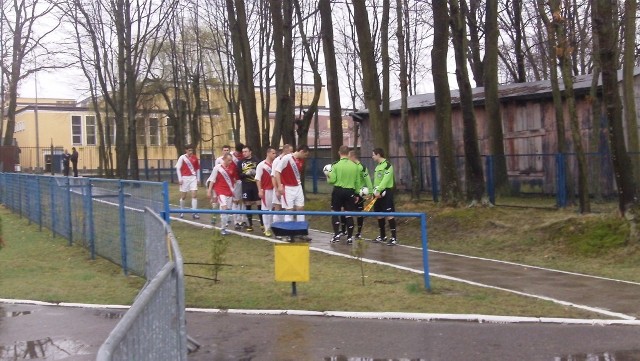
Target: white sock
[[181, 203], [194, 203], [300, 218], [288, 217]]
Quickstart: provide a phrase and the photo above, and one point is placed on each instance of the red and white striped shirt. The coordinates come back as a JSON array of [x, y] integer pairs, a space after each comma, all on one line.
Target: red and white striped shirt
[[263, 173], [289, 176]]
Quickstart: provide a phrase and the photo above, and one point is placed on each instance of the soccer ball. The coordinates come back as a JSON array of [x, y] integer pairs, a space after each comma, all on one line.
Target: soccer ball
[[326, 169], [364, 191]]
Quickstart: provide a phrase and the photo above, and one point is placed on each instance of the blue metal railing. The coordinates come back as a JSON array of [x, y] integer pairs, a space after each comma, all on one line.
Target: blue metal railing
[[421, 216]]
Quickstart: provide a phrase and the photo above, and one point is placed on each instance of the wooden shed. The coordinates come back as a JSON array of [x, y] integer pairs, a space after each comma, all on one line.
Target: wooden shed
[[529, 127]]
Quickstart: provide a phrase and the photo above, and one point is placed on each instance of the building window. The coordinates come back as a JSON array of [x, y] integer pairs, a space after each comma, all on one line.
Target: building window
[[154, 136], [76, 130], [90, 124], [140, 132], [110, 130], [171, 134]]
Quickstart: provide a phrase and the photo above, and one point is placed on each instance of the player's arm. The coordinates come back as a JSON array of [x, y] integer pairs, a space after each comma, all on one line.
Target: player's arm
[[366, 177], [258, 178], [387, 179], [333, 174], [178, 166]]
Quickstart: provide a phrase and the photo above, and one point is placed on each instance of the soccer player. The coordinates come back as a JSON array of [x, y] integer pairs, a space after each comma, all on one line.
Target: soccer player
[[265, 188], [344, 176], [222, 183], [187, 168], [289, 179], [277, 205], [383, 182], [250, 197]]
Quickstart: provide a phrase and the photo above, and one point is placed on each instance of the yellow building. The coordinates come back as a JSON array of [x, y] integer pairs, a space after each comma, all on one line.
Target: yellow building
[[46, 127]]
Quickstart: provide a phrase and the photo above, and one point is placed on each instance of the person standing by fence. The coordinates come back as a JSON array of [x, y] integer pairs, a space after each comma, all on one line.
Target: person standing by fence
[[187, 168], [247, 171], [74, 161], [265, 188], [344, 177], [383, 182], [66, 158]]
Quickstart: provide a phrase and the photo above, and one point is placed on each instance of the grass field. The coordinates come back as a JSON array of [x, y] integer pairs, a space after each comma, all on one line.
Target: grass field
[[35, 266]]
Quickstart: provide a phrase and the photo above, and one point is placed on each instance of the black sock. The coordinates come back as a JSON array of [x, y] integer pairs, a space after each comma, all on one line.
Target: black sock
[[349, 227], [343, 221], [392, 227], [381, 227], [250, 216], [360, 222], [335, 222]]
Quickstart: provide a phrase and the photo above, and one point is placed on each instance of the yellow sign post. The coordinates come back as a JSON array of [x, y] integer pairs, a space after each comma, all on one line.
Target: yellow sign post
[[292, 263]]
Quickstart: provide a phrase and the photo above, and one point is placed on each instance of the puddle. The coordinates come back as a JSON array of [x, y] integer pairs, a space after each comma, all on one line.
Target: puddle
[[630, 355], [16, 313], [43, 349], [357, 358]]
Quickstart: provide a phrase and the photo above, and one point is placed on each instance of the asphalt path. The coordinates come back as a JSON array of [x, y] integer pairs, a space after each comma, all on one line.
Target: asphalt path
[[75, 332], [68, 333]]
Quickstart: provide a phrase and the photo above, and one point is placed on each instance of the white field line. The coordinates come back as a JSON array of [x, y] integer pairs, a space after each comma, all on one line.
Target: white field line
[[564, 303], [429, 317]]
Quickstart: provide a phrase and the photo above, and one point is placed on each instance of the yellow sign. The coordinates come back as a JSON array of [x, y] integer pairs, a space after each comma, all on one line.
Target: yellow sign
[[292, 262]]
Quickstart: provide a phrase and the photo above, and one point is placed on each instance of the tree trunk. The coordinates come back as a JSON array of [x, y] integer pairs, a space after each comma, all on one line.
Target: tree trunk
[[280, 12], [244, 65], [628, 79], [333, 86], [473, 160], [451, 194], [386, 72], [312, 109], [563, 54], [622, 165], [404, 94], [370, 84], [596, 118], [475, 61], [557, 98], [492, 99]]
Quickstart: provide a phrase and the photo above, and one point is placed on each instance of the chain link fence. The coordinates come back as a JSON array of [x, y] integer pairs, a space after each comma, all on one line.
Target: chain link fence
[[103, 215]]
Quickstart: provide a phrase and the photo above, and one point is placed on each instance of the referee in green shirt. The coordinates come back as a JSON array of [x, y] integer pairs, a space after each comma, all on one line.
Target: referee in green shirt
[[383, 182], [344, 176]]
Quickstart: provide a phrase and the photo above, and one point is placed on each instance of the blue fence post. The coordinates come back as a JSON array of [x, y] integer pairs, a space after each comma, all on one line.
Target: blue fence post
[[314, 163], [19, 185], [123, 227], [38, 195], [89, 217], [52, 194], [425, 251], [434, 177], [27, 199], [491, 184], [165, 198], [67, 214]]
